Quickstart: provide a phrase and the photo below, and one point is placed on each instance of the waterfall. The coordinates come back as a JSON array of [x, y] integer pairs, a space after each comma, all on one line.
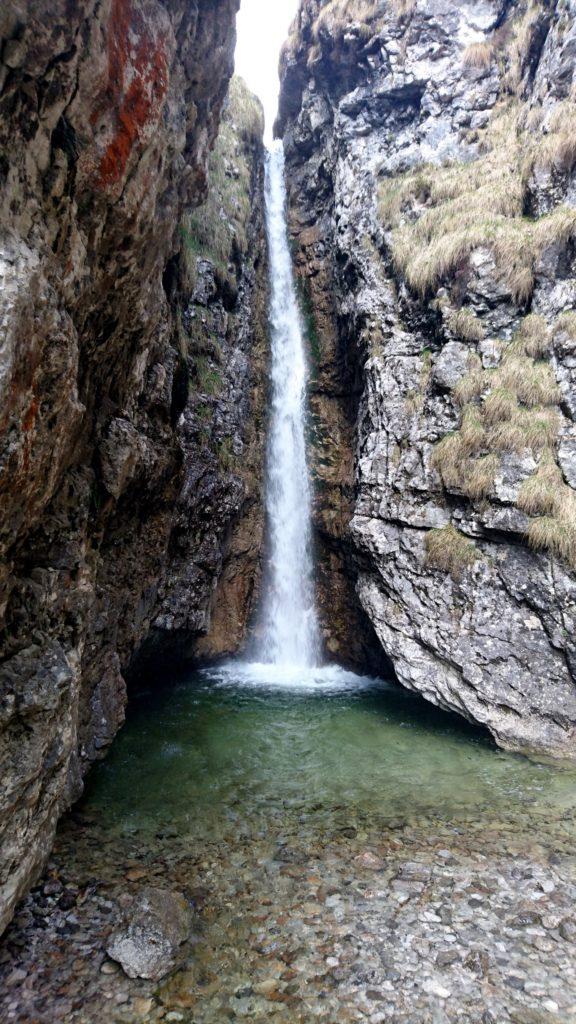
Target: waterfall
[[290, 627]]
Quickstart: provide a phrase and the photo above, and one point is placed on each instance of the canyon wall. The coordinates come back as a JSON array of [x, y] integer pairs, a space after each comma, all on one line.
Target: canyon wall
[[431, 159], [132, 356]]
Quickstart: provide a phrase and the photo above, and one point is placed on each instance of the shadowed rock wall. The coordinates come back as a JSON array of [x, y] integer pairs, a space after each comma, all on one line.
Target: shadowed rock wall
[[131, 379]]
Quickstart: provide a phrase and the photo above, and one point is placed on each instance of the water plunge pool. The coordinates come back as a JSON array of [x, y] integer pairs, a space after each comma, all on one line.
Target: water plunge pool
[[257, 745], [351, 854]]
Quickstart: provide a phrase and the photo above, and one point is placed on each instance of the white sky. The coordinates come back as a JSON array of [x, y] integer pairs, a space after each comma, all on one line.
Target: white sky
[[262, 27]]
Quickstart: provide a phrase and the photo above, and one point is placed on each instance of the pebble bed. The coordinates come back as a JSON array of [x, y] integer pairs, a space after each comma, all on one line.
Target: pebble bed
[[322, 912]]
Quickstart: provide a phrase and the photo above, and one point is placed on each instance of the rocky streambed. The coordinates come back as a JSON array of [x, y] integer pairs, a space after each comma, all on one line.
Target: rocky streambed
[[421, 876]]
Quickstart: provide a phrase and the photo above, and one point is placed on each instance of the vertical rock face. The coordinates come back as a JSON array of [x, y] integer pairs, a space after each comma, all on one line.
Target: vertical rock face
[[130, 374], [431, 158]]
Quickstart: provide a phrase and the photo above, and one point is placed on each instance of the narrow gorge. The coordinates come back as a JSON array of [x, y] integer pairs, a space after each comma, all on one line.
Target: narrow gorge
[[288, 477]]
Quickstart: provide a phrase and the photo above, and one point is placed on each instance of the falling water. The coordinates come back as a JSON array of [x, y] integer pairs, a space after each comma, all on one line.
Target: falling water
[[290, 636]]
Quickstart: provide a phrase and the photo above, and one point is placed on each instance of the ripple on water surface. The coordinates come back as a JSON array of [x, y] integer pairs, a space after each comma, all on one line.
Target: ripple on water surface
[[248, 743]]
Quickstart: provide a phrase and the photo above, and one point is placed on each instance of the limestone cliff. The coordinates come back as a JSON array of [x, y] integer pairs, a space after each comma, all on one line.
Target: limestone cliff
[[431, 160], [131, 361]]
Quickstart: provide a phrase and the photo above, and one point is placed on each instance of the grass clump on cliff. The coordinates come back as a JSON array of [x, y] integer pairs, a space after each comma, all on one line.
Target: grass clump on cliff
[[556, 148], [244, 112], [219, 227], [208, 378], [552, 502], [539, 494], [367, 16], [438, 216], [337, 15], [556, 533], [565, 328], [415, 398], [512, 408], [465, 325], [532, 338], [447, 549], [479, 55]]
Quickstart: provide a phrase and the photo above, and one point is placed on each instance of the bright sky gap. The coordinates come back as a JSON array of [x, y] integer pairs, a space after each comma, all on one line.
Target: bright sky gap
[[262, 27]]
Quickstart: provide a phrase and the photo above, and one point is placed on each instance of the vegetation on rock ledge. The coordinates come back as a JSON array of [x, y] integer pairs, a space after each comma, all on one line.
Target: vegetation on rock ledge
[[218, 228], [449, 550]]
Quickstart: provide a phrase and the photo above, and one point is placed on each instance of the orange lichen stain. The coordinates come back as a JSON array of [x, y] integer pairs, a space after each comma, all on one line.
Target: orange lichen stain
[[136, 86]]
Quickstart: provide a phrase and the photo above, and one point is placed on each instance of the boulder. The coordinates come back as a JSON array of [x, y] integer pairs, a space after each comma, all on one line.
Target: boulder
[[147, 942]]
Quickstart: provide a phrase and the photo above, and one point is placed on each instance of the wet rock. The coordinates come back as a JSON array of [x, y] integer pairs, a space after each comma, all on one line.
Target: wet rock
[[289, 855], [52, 887], [136, 874], [526, 919], [267, 987], [67, 901], [477, 961], [358, 949], [16, 977], [435, 989], [142, 1006], [447, 957], [147, 943], [369, 860], [567, 930], [414, 872]]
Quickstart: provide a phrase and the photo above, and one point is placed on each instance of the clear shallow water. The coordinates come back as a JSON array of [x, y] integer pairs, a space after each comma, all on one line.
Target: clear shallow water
[[253, 744], [335, 836]]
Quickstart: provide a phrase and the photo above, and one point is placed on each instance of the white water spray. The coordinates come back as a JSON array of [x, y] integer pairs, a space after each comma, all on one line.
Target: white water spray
[[290, 637]]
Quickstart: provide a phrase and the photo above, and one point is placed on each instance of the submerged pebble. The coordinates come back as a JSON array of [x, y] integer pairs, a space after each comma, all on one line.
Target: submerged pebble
[[315, 900]]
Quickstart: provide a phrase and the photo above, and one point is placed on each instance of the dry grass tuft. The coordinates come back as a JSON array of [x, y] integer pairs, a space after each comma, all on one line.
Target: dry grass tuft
[[556, 149], [447, 549], [533, 383], [565, 327], [401, 192], [556, 533], [415, 398], [473, 384], [337, 16], [507, 437], [500, 406], [532, 338], [479, 476], [465, 324], [470, 387], [540, 428], [447, 458], [539, 494], [472, 433], [456, 460], [510, 409], [532, 429], [402, 8], [479, 55], [523, 36]]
